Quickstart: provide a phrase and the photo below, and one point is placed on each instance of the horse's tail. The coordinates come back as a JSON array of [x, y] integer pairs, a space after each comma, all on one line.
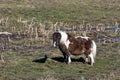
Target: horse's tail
[[94, 49]]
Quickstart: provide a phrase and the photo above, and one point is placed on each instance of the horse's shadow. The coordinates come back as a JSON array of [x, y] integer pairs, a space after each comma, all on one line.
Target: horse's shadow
[[58, 59], [61, 59], [41, 60]]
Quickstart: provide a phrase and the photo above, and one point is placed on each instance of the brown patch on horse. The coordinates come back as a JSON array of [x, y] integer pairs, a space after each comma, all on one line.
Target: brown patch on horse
[[64, 49], [88, 45], [79, 46]]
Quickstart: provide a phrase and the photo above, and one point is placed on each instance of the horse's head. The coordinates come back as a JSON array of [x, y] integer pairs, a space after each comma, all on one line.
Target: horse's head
[[59, 37], [56, 39]]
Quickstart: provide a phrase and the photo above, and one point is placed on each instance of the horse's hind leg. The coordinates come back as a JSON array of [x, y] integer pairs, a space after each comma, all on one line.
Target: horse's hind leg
[[91, 59], [86, 58]]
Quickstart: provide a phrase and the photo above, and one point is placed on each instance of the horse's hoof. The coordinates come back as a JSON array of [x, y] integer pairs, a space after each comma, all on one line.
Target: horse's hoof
[[92, 64]]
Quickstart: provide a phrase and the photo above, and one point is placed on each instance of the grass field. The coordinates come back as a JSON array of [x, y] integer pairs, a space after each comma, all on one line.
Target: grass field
[[61, 10], [24, 58], [29, 64]]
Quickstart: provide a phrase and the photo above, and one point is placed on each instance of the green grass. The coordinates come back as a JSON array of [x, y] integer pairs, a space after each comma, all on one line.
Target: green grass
[[19, 65]]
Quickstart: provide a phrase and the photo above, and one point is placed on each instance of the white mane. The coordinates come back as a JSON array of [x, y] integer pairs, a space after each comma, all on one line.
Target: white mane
[[64, 38]]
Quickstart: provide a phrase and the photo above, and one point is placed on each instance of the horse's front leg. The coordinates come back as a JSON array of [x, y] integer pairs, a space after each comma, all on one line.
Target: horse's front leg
[[65, 57], [68, 59], [66, 54]]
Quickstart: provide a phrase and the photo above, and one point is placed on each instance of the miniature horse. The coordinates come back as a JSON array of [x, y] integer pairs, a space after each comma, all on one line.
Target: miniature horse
[[70, 45]]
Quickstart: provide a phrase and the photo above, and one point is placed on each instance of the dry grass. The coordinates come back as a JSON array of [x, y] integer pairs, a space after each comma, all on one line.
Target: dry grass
[[73, 11]]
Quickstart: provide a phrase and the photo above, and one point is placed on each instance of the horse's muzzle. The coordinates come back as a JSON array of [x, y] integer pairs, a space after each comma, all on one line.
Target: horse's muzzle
[[54, 44]]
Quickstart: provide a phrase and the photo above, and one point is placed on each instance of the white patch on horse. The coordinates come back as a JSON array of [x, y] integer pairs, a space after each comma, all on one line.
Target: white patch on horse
[[69, 60], [92, 55], [92, 58], [84, 37], [67, 43], [93, 49], [64, 38]]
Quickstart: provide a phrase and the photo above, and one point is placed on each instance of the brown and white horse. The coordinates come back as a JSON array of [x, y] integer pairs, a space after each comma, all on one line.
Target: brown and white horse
[[70, 45]]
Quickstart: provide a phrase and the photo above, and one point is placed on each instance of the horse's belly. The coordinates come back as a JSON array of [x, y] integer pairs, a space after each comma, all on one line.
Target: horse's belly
[[77, 52]]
